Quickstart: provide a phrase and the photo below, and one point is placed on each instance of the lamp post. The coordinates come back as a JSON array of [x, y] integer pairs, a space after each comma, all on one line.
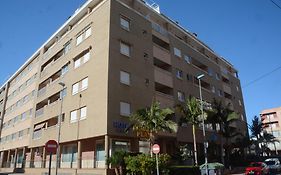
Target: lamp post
[[203, 123], [59, 127]]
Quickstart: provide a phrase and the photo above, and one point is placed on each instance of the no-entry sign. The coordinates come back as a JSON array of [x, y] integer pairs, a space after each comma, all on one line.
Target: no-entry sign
[[156, 149], [51, 146]]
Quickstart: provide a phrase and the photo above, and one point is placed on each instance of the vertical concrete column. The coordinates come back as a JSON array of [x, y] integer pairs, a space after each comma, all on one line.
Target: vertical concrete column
[[43, 164], [79, 154], [23, 157], [106, 147], [164, 146], [2, 158], [31, 163], [8, 159], [15, 158]]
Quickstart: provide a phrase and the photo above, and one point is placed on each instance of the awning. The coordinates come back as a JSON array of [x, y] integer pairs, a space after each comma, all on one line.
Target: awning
[[39, 126]]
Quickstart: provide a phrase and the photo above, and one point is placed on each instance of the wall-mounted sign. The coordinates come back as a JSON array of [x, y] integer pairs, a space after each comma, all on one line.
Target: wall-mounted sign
[[120, 126]]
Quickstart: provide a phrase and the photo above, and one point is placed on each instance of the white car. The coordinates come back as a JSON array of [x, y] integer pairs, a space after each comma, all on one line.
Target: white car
[[273, 165]]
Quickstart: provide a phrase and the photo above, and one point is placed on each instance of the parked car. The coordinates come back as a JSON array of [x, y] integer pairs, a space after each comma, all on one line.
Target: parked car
[[273, 164], [257, 168]]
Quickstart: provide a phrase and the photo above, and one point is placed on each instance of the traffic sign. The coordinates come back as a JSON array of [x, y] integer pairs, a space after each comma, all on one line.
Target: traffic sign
[[156, 149], [51, 146]]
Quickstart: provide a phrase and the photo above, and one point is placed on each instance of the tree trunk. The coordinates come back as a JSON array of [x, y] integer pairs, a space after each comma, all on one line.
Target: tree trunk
[[151, 142], [116, 171], [194, 145], [121, 170], [221, 144], [227, 153]]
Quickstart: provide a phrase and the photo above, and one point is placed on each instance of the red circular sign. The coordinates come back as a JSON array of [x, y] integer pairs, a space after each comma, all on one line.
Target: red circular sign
[[51, 146], [156, 149]]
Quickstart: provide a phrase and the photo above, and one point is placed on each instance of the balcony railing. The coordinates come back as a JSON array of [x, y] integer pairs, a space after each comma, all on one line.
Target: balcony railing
[[37, 134], [42, 91], [159, 29], [39, 112]]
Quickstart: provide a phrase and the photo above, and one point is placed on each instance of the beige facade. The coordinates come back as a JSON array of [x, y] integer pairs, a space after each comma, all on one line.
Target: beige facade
[[271, 118], [109, 59]]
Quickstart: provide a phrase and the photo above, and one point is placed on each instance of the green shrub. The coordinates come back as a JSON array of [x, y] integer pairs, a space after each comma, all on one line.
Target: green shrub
[[146, 165]]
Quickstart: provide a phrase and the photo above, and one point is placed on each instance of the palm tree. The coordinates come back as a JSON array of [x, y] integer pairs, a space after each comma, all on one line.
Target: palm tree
[[191, 111], [268, 138], [224, 117], [117, 161], [256, 132], [150, 121]]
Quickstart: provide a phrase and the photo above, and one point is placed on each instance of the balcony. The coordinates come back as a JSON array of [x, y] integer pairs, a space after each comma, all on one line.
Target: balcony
[[48, 106], [53, 65], [164, 90], [200, 65], [162, 54], [49, 83], [226, 88], [166, 101], [39, 112], [163, 77], [161, 43]]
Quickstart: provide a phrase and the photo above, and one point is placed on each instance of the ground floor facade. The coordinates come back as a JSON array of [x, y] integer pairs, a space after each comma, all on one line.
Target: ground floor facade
[[87, 156]]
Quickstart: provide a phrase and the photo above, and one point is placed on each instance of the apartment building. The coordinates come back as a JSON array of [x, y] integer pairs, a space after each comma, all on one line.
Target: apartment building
[[109, 59], [271, 118]]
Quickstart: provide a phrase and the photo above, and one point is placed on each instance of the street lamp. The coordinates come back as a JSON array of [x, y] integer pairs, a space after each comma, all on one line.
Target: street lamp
[[59, 127], [199, 77]]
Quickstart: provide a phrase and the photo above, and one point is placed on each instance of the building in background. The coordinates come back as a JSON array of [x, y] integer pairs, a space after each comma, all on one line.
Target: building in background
[[112, 57], [271, 118]]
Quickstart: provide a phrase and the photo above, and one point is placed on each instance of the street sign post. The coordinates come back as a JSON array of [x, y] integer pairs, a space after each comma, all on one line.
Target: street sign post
[[156, 151], [51, 146]]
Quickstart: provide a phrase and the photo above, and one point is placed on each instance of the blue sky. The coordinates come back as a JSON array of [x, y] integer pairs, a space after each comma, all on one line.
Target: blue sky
[[247, 33]]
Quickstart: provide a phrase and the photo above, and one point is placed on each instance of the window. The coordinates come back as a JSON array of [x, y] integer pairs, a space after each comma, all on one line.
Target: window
[[187, 59], [75, 88], [240, 103], [83, 35], [69, 153], [20, 134], [218, 76], [213, 89], [25, 99], [220, 93], [83, 113], [179, 74], [14, 136], [144, 147], [125, 49], [77, 63], [84, 84], [242, 117], [86, 57], [181, 96], [124, 77], [125, 23], [63, 93], [125, 109], [67, 47], [189, 77], [73, 116], [88, 32], [118, 145], [30, 112], [177, 52], [210, 72], [23, 116], [64, 69], [79, 39]]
